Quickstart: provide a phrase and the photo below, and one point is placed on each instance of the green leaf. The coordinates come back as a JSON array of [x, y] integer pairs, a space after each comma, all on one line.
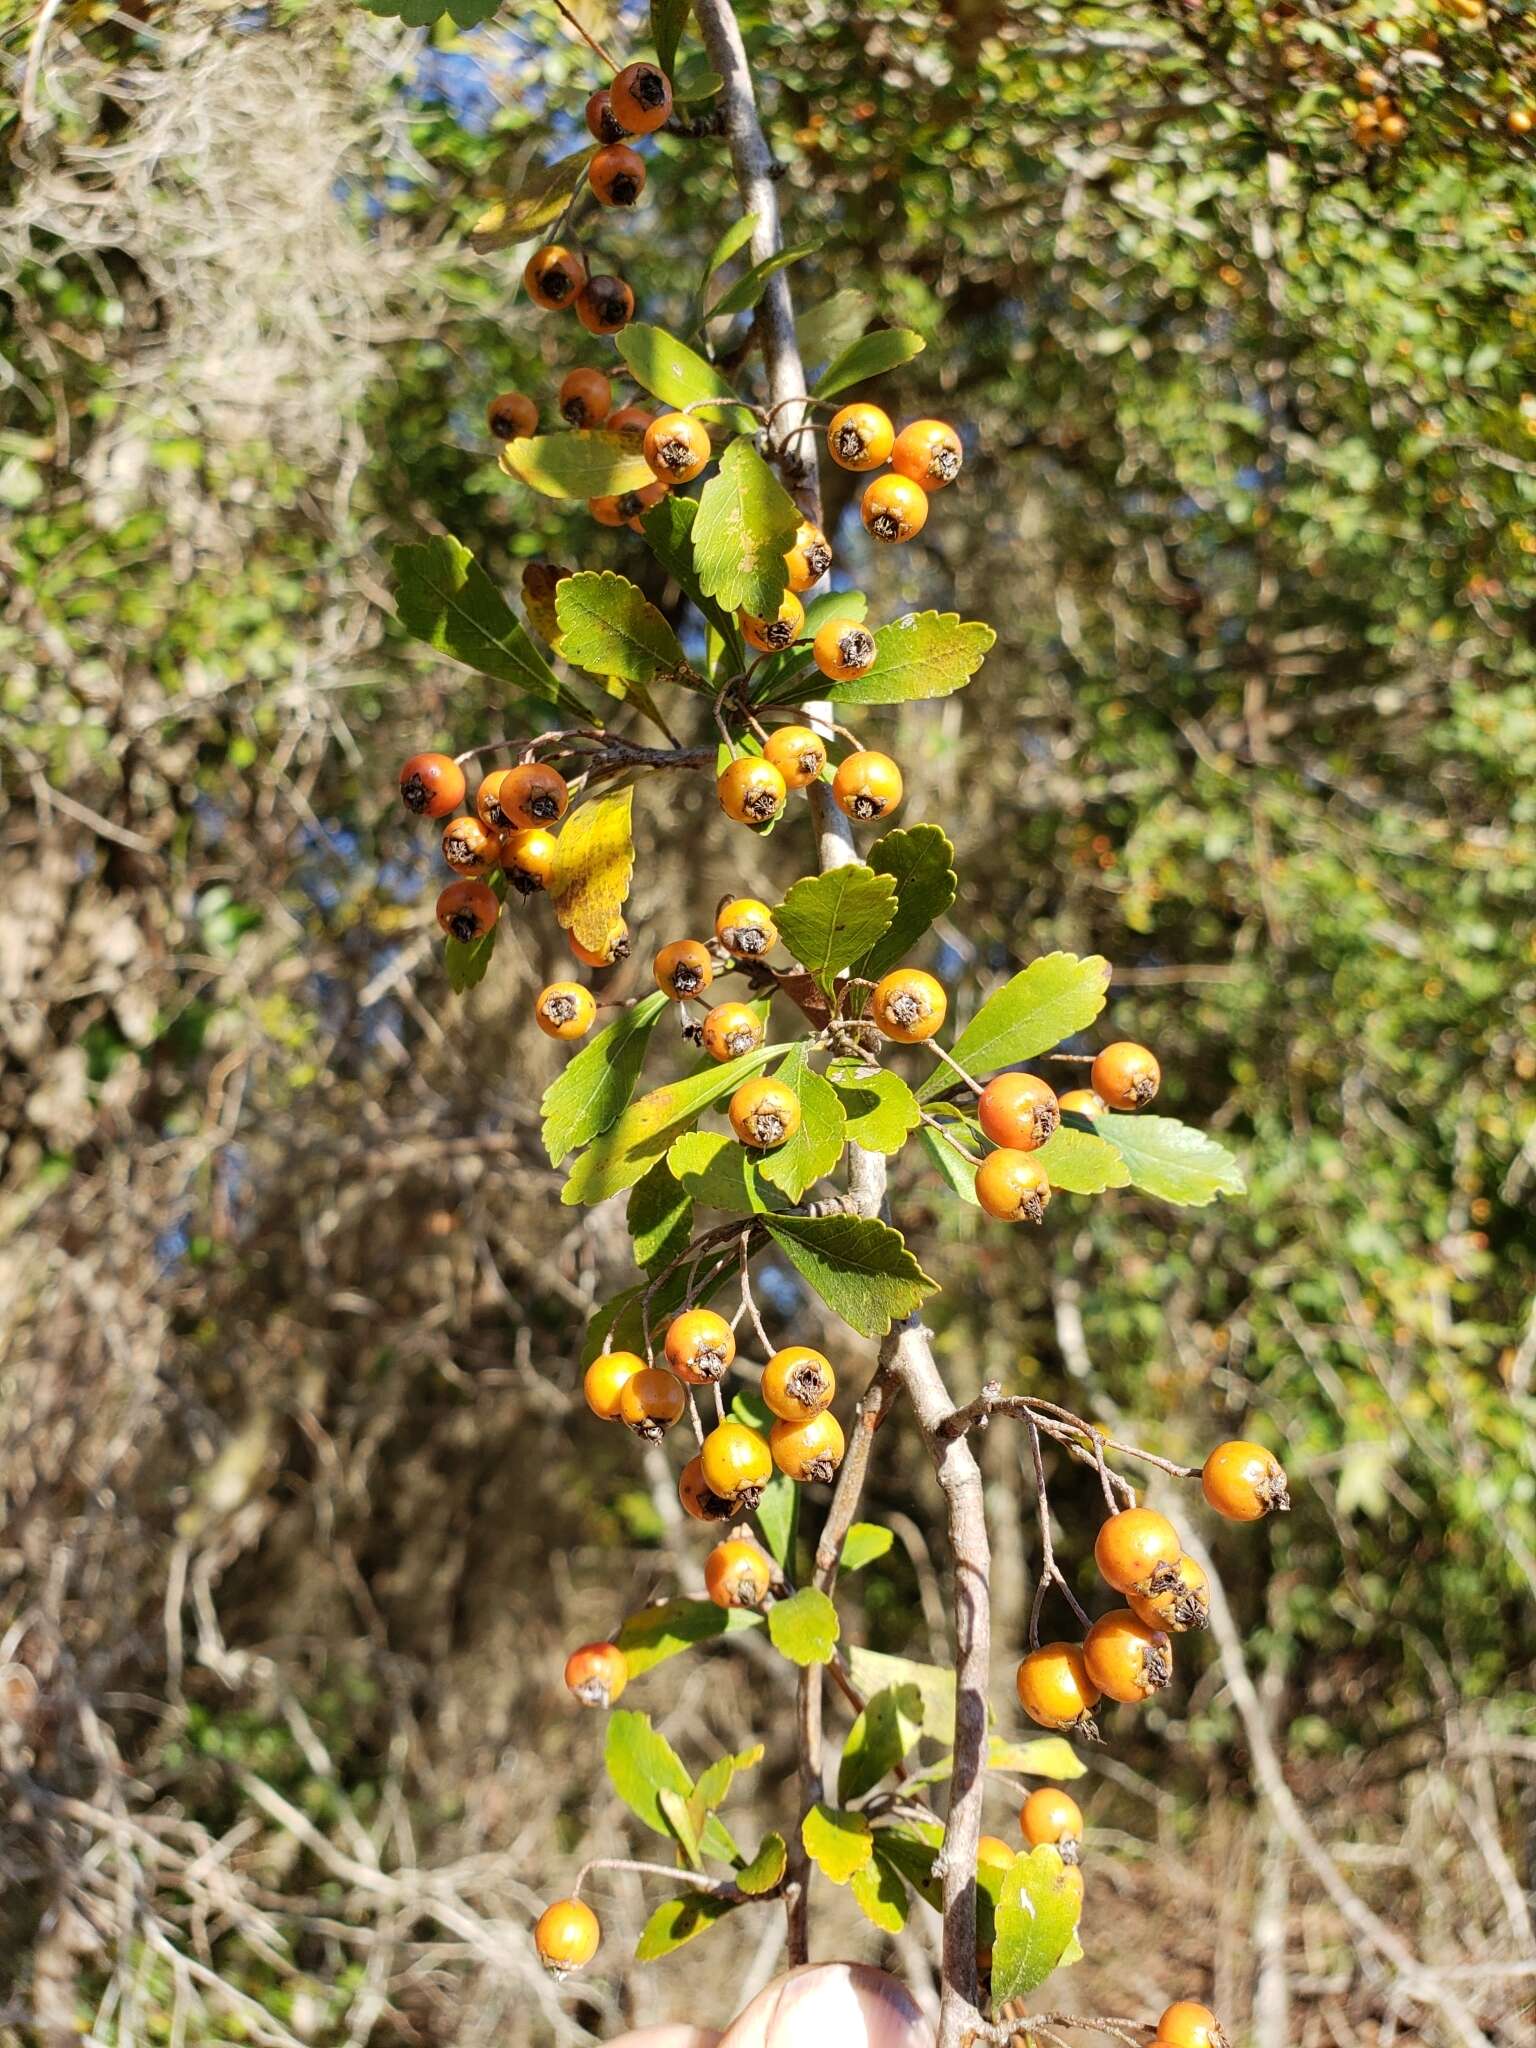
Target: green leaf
[[693, 80], [610, 628], [873, 1671], [909, 1851], [957, 1173], [837, 1843], [1172, 1160], [675, 1811], [804, 1628], [861, 1268], [881, 1110], [660, 1218], [817, 1146], [870, 356], [747, 289], [745, 526], [679, 1919], [645, 1131], [668, 20], [777, 1513], [920, 861], [735, 238], [669, 529], [542, 197], [444, 597], [864, 1543], [654, 1634], [716, 1779], [423, 13], [925, 654], [832, 326], [766, 1867], [1081, 1162], [1042, 1756], [1045, 1003], [716, 1171], [1036, 1917], [466, 964], [890, 1724], [642, 1764], [827, 921], [585, 464], [590, 1094], [670, 370], [881, 1895]]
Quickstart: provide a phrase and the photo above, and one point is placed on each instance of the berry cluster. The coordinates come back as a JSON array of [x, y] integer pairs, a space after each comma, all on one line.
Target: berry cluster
[[506, 834], [924, 458], [1020, 1112]]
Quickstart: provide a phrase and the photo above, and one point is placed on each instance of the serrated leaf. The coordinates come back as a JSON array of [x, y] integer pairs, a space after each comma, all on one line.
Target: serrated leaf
[[864, 1543], [1081, 1162], [1048, 1001], [827, 921], [920, 861], [648, 1127], [890, 1724], [880, 1893], [1172, 1160], [594, 859], [1036, 1916], [610, 628], [804, 1628], [660, 1218], [668, 20], [837, 1843], [671, 371], [870, 356], [678, 1920], [466, 965], [925, 654], [669, 529], [716, 1171], [873, 1671], [861, 1268], [817, 1146], [745, 526], [444, 597], [1041, 1756], [766, 1868], [746, 290], [833, 325], [735, 239], [881, 1110], [956, 1172], [542, 197], [641, 1765], [591, 1092], [654, 1634], [585, 464]]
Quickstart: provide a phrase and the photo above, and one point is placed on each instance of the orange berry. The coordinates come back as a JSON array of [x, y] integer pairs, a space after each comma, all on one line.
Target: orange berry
[[1137, 1551], [746, 928], [867, 786], [893, 509], [752, 791], [527, 858], [700, 1346], [1394, 129], [605, 304], [908, 1005], [993, 1853], [532, 794], [1180, 1604], [1188, 2025], [467, 910], [1055, 1689], [797, 1382], [596, 1674], [1127, 1660], [1018, 1110], [764, 1113], [488, 801], [1520, 120], [606, 511], [1013, 1187], [470, 847], [929, 453], [634, 504], [615, 947], [1125, 1076], [1244, 1482], [730, 1030], [860, 437], [810, 558], [565, 1010], [683, 969], [585, 398], [617, 173], [737, 1574], [631, 422], [641, 96], [676, 447], [1082, 1102], [650, 1402], [808, 1451], [843, 648], [553, 276], [566, 1936], [772, 636], [602, 122], [431, 785], [735, 1464], [605, 1379], [1049, 1817], [698, 1502], [510, 415]]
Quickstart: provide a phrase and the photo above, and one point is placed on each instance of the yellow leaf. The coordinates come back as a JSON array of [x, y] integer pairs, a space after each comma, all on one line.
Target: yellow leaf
[[594, 859]]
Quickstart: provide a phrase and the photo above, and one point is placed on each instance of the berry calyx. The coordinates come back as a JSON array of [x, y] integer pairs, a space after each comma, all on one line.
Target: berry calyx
[[745, 928], [810, 558], [698, 1502], [735, 1464], [700, 1346], [605, 304], [1178, 1605], [488, 801], [1125, 1076], [808, 1451], [527, 858], [633, 505], [893, 509], [730, 1030], [676, 447], [605, 1379], [751, 790], [596, 1674], [1186, 2024], [683, 969], [1138, 1551], [585, 398], [641, 97], [1013, 1187], [469, 847], [928, 453], [908, 1005], [532, 794], [565, 1010], [1055, 1690], [1049, 1818], [1082, 1102], [553, 276], [617, 174], [615, 947], [650, 1402], [566, 1936], [737, 1574], [843, 648], [432, 785], [512, 414], [1127, 1660], [798, 1383], [1018, 1110], [867, 786], [764, 1113], [467, 910], [1244, 1482], [603, 124], [860, 437], [772, 636], [798, 753]]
